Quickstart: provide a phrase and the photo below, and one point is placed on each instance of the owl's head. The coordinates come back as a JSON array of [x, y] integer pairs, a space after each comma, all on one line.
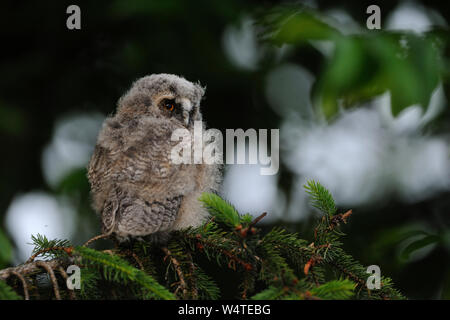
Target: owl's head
[[163, 96]]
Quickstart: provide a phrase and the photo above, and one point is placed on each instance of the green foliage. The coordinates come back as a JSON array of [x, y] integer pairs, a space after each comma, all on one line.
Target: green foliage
[[271, 293], [406, 240], [90, 279], [206, 286], [74, 182], [362, 65], [288, 25], [49, 248], [274, 265], [130, 52], [288, 243], [221, 209], [212, 241], [406, 65], [118, 270], [320, 198], [345, 265], [335, 289], [7, 293], [419, 244]]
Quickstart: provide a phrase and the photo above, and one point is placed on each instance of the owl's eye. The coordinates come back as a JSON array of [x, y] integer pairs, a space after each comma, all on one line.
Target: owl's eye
[[169, 105]]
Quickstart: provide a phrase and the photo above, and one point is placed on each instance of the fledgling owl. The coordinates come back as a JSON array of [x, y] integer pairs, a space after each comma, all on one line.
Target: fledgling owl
[[136, 189]]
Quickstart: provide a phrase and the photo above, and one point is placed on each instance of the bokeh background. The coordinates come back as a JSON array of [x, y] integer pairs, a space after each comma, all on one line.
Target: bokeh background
[[363, 112]]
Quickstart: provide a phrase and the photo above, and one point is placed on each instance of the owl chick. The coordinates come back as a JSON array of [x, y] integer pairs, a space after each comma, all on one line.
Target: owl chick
[[136, 189]]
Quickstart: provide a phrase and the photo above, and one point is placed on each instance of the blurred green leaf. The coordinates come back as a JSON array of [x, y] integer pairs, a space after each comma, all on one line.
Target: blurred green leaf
[[5, 249], [419, 244], [303, 26], [389, 239], [74, 182], [395, 236], [412, 73], [363, 66], [348, 72], [294, 26]]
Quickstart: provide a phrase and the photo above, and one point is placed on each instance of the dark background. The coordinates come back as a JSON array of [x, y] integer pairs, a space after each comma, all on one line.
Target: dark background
[[48, 71]]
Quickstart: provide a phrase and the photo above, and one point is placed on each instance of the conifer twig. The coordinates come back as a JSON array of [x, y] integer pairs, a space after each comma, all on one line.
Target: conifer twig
[[178, 270], [337, 219], [245, 286], [50, 272], [139, 262], [100, 236], [29, 268], [244, 232], [257, 219], [233, 258], [65, 276], [194, 291], [136, 258], [308, 296], [68, 250], [24, 284]]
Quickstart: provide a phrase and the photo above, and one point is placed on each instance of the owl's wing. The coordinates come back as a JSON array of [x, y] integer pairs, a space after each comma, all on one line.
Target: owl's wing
[[141, 218], [108, 215], [135, 187], [97, 168], [100, 178]]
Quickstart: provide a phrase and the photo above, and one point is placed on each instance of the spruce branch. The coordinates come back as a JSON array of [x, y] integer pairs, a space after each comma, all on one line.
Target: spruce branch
[[118, 270], [321, 198], [48, 248], [33, 268], [271, 293], [206, 286], [193, 279], [221, 209], [179, 271], [280, 264], [334, 290]]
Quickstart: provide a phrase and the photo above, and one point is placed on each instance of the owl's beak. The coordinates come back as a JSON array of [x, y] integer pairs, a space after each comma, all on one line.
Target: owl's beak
[[186, 117], [187, 106]]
